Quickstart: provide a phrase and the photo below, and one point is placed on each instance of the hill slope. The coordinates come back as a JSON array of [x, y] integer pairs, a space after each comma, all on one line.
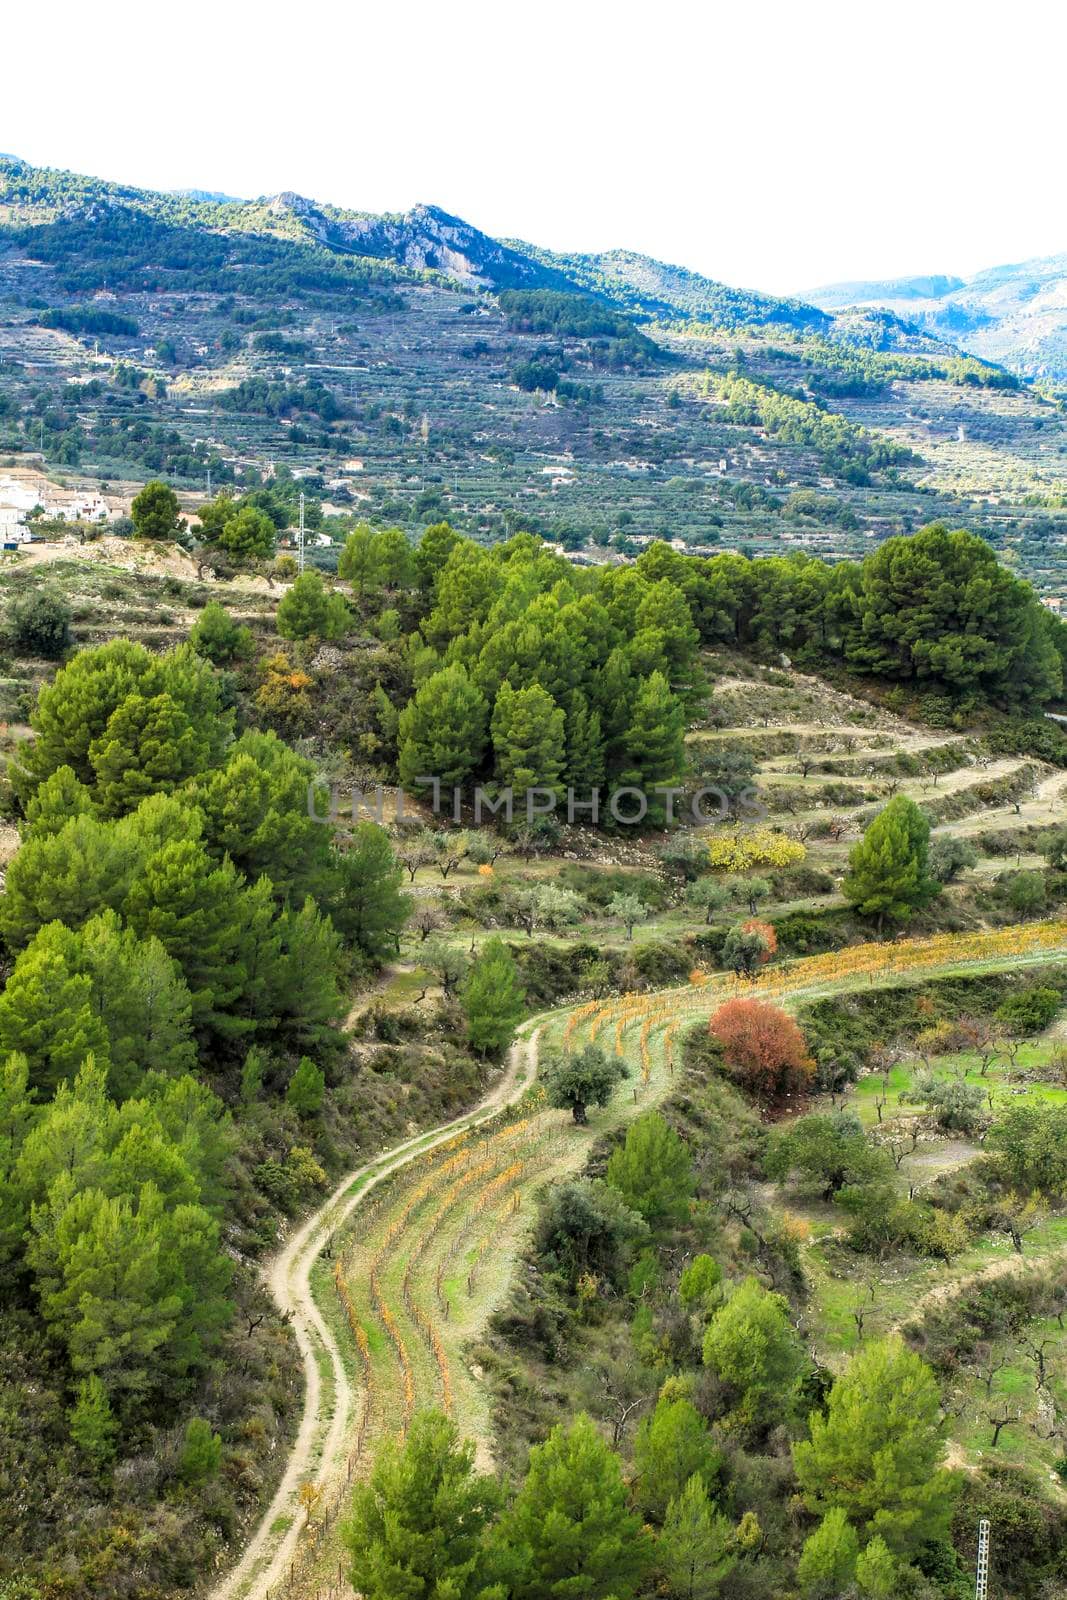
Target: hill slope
[[386, 363]]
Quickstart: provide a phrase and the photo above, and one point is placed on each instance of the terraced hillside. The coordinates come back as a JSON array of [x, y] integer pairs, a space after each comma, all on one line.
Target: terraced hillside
[[419, 1250], [409, 393]]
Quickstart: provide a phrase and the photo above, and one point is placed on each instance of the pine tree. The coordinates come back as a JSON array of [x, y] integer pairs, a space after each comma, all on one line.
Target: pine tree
[[201, 1454], [653, 1172], [655, 742], [59, 798], [67, 876], [367, 905], [585, 766], [751, 1344], [876, 1452], [493, 998], [255, 810], [96, 1264], [47, 1012], [156, 512], [356, 562], [528, 739], [305, 1003], [442, 729], [16, 1120], [418, 1525], [148, 746], [249, 534], [671, 1446], [68, 1139], [140, 996], [252, 1076], [199, 914], [74, 708], [828, 1560], [569, 1523], [694, 1548], [307, 1088], [219, 639], [309, 611], [431, 553], [73, 711], [92, 1424], [887, 869], [877, 1571]]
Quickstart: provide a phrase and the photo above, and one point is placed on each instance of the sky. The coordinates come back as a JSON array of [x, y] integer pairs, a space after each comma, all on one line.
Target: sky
[[771, 146]]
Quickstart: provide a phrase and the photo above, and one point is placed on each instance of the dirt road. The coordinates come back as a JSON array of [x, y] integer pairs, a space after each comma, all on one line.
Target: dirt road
[[320, 1449]]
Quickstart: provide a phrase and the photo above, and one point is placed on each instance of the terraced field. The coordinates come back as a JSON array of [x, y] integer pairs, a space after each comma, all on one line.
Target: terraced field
[[419, 1246]]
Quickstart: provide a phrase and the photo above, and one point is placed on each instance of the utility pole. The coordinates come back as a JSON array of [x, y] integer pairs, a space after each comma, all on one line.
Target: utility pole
[[981, 1590], [300, 535], [209, 483]]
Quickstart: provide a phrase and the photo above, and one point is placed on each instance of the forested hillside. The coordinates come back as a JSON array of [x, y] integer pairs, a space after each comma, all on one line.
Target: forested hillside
[[226, 985], [533, 924]]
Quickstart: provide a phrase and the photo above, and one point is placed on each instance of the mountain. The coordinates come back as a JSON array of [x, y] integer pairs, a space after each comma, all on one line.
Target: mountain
[[1014, 314], [410, 368], [657, 289], [211, 196], [425, 239]]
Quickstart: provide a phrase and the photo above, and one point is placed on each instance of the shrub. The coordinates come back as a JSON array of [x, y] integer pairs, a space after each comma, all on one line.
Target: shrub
[[1031, 1011], [763, 1048], [40, 624]]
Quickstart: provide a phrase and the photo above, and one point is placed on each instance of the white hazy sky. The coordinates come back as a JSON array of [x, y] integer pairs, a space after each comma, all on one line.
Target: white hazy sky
[[775, 146]]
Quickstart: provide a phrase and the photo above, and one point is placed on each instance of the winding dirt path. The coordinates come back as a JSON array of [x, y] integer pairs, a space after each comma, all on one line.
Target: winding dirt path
[[319, 1450]]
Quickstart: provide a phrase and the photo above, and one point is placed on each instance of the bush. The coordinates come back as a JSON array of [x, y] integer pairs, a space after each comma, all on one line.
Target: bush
[[1030, 1012], [201, 1453], [40, 624]]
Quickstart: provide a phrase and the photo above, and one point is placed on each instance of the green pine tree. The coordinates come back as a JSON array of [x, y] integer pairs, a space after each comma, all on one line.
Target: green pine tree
[[307, 1088], [492, 998], [201, 1454], [671, 1446], [828, 1560], [47, 1011], [528, 739], [16, 1120], [156, 512], [585, 766], [654, 742], [653, 1172], [59, 798], [887, 869], [694, 1550], [569, 1525], [219, 639], [876, 1453], [751, 1344], [367, 904], [442, 729], [92, 1424], [418, 1525]]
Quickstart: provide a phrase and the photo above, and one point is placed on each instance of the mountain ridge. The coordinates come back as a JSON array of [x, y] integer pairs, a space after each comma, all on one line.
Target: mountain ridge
[[1014, 314]]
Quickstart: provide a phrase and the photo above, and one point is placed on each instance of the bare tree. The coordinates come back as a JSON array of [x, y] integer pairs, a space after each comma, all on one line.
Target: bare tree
[[1036, 1352], [998, 1420]]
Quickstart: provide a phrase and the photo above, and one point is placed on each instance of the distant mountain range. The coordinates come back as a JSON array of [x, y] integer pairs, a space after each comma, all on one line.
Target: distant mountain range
[[426, 238], [1015, 315]]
